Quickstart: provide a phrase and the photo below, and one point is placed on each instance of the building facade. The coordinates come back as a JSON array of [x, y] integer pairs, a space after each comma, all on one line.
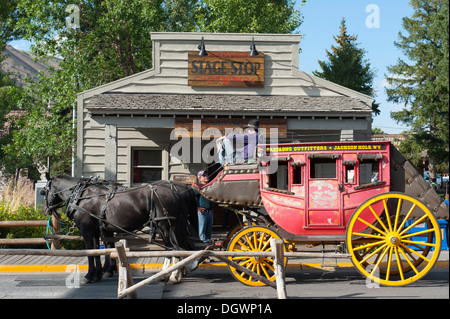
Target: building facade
[[161, 123]]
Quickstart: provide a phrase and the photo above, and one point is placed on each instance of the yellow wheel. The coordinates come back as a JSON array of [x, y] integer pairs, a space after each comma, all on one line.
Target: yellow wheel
[[384, 243], [253, 238], [235, 229]]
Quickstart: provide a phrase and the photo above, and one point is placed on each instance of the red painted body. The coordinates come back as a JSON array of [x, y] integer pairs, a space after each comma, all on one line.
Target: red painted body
[[309, 190], [332, 181]]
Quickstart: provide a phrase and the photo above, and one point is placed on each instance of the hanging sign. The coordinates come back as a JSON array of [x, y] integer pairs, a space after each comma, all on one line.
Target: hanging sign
[[226, 69], [207, 127]]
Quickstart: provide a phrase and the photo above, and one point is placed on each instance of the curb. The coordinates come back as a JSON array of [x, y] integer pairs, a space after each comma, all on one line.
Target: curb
[[156, 267]]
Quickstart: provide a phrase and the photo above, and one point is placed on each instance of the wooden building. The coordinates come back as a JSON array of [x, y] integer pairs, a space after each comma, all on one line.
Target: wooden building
[[124, 128]]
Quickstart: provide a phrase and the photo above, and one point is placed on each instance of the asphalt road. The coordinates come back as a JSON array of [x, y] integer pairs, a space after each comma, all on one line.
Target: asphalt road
[[217, 284]]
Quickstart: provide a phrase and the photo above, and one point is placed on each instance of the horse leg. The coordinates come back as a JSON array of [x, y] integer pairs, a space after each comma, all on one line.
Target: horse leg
[[89, 244], [166, 264], [171, 238], [110, 264], [98, 262], [175, 276]]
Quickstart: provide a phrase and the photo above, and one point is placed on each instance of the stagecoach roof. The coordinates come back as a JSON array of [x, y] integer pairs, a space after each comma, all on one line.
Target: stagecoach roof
[[195, 103]]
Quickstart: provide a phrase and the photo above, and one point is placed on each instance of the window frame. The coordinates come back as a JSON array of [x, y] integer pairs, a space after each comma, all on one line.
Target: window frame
[[361, 163], [347, 164], [162, 167]]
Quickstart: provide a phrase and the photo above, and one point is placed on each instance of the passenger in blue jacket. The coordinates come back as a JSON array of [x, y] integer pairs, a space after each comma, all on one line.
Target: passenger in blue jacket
[[245, 145]]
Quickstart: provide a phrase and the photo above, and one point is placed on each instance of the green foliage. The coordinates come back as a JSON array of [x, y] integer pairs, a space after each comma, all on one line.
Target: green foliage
[[421, 81], [377, 130], [346, 66], [11, 96], [113, 41], [8, 14], [9, 93], [257, 16], [22, 213], [28, 213]]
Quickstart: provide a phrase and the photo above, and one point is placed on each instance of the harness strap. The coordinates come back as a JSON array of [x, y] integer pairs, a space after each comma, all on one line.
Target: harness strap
[[75, 197], [84, 211], [109, 196], [77, 191]]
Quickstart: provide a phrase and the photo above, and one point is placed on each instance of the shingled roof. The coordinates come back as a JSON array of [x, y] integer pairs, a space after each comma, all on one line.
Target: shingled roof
[[196, 103]]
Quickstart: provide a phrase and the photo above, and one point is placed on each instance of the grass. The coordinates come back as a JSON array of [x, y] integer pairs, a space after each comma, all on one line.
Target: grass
[[14, 195]]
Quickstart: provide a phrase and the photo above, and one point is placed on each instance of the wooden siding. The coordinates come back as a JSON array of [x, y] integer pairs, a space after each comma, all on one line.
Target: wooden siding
[[169, 75], [171, 65]]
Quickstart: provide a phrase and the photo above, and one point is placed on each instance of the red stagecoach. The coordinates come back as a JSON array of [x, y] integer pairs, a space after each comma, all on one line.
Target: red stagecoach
[[364, 196]]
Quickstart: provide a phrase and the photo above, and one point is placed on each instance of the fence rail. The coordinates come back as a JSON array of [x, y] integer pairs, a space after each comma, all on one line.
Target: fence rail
[[127, 288], [23, 241]]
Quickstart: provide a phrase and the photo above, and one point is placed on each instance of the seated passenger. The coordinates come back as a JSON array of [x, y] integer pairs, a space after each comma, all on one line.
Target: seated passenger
[[246, 145]]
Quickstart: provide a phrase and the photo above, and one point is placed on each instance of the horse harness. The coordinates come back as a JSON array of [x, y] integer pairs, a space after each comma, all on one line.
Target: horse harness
[[76, 195]]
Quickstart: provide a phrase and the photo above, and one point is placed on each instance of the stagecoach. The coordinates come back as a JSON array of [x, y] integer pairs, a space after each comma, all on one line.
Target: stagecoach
[[364, 197]]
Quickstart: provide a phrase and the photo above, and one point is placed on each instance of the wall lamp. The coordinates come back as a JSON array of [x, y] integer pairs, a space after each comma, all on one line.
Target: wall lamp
[[253, 51], [202, 49]]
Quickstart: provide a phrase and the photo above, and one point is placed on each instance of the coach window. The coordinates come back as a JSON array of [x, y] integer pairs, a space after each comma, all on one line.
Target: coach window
[[350, 172], [369, 168], [297, 175], [279, 177], [147, 165], [323, 166], [297, 172]]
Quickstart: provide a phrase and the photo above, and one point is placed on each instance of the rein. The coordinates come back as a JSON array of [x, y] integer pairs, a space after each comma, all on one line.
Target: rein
[[75, 197]]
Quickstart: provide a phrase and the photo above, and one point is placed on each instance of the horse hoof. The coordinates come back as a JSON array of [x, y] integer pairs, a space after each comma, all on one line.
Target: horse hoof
[[86, 281], [108, 274]]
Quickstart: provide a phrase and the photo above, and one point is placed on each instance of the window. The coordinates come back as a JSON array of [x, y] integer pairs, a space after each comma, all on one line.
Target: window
[[369, 171], [323, 168], [349, 174], [297, 174], [147, 165], [279, 179]]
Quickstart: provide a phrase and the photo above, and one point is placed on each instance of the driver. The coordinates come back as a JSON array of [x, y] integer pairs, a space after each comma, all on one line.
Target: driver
[[245, 145]]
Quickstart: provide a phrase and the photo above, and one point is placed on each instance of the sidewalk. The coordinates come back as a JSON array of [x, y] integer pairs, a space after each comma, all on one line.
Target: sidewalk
[[33, 264]]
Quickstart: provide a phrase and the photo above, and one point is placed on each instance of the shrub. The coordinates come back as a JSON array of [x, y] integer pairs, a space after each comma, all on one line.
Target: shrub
[[29, 213]]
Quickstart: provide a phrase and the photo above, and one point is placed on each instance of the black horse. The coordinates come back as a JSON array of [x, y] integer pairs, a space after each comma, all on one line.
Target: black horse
[[104, 208], [187, 195]]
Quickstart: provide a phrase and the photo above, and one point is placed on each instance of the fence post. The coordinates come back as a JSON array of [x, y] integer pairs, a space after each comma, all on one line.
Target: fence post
[[125, 278], [56, 227], [278, 265], [163, 273]]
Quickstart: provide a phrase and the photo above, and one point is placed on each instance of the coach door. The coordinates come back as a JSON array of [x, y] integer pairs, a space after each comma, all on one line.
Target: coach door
[[323, 194]]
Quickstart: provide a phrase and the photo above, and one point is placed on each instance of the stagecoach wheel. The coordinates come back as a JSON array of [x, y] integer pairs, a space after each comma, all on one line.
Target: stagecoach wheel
[[253, 238], [235, 229], [384, 243]]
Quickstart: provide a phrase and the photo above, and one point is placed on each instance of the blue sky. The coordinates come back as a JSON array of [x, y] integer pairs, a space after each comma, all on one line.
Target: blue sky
[[322, 20]]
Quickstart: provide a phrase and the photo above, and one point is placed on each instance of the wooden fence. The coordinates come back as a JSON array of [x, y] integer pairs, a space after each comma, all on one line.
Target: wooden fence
[[127, 288], [23, 241], [54, 238]]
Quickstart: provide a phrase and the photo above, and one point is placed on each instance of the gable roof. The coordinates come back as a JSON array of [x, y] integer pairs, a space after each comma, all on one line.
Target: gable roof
[[166, 83], [216, 104]]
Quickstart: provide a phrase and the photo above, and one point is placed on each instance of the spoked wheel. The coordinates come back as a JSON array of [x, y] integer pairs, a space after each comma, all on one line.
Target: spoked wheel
[[388, 249], [235, 229], [253, 238]]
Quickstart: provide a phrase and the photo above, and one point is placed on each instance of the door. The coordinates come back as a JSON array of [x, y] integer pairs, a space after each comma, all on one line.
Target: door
[[324, 202]]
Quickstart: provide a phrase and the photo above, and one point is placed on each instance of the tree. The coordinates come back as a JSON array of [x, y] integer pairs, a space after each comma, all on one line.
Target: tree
[[346, 66], [257, 16], [421, 82], [8, 14], [113, 41]]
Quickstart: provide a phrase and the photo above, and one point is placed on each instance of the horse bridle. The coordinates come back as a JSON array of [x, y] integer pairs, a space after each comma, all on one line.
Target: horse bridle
[[52, 208], [45, 191]]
